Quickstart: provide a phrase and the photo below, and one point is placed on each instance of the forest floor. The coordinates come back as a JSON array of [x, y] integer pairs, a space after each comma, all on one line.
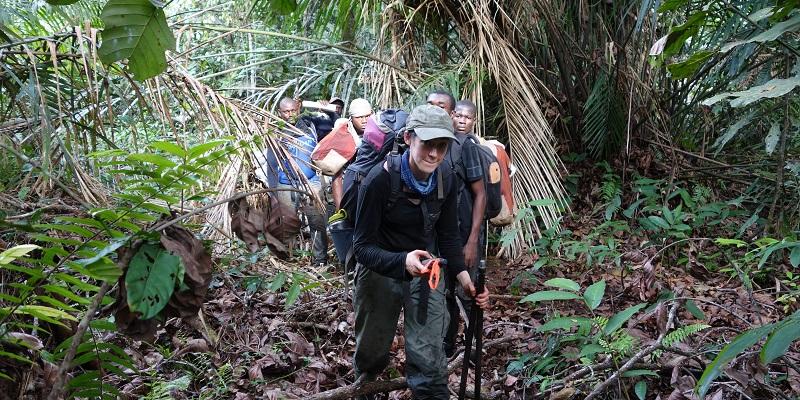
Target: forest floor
[[262, 348], [277, 329], [267, 350]]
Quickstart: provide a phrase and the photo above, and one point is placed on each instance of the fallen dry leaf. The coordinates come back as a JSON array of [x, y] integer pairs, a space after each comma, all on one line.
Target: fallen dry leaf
[[562, 394]]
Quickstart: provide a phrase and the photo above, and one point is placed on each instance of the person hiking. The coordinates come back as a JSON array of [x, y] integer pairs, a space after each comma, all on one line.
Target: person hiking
[[442, 99], [300, 149], [339, 103], [406, 213], [359, 111], [466, 163]]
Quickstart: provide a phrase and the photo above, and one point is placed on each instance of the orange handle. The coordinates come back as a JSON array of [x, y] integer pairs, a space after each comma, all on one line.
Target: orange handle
[[434, 272]]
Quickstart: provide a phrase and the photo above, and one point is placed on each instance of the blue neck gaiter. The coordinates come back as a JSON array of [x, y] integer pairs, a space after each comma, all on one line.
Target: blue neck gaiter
[[424, 188]]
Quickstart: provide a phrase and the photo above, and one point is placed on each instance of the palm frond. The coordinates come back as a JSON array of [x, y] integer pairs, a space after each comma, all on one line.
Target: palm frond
[[603, 118], [530, 137]]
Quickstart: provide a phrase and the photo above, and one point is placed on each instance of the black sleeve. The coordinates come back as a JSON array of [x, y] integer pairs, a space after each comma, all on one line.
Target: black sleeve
[[448, 235], [322, 124], [471, 161], [373, 195]]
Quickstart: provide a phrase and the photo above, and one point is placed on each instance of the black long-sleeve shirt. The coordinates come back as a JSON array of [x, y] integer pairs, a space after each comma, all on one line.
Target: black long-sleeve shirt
[[383, 239]]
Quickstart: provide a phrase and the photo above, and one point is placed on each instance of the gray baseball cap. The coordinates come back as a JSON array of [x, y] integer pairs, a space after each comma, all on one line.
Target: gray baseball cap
[[430, 122]]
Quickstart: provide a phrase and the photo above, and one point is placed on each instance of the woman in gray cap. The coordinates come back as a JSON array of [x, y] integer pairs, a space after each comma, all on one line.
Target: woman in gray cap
[[406, 213]]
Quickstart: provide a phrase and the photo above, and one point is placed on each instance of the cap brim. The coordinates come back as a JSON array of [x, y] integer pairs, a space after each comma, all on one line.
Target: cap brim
[[433, 133]]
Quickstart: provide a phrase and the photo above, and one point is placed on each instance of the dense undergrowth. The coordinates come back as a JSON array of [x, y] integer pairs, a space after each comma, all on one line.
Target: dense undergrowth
[[647, 282], [672, 273]]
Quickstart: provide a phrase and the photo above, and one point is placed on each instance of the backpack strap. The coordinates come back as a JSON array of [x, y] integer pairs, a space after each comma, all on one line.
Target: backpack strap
[[395, 180], [439, 184]]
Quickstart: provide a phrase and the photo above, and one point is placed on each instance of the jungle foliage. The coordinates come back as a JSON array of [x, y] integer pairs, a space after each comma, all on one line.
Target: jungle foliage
[[671, 122]]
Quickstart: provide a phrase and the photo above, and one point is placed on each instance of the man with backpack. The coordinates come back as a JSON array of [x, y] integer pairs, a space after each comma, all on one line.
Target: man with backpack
[[406, 212], [300, 148], [359, 111], [442, 99], [464, 158]]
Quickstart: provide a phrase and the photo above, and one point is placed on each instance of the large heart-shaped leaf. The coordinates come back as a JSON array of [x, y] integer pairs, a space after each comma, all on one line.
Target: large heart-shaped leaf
[[136, 30], [151, 278]]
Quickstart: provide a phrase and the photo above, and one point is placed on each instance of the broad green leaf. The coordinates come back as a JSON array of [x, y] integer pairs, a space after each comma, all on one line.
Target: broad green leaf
[[641, 390], [44, 311], [62, 291], [76, 229], [58, 305], [638, 372], [151, 279], [780, 339], [293, 294], [591, 349], [561, 323], [108, 153], [691, 306], [136, 30], [658, 221], [774, 88], [156, 159], [203, 148], [621, 317], [739, 344], [283, 7], [761, 14], [628, 213], [730, 242], [679, 34], [593, 295], [687, 68], [103, 325], [112, 247], [732, 131], [563, 283], [794, 257], [15, 357], [541, 203], [9, 255], [790, 25], [671, 5], [169, 147], [277, 282], [773, 248], [548, 295], [104, 269]]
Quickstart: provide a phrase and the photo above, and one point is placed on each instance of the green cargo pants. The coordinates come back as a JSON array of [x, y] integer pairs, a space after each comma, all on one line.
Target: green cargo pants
[[378, 301]]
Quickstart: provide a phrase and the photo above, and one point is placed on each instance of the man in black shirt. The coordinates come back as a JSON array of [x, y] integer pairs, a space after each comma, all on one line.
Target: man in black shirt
[[466, 163], [407, 211]]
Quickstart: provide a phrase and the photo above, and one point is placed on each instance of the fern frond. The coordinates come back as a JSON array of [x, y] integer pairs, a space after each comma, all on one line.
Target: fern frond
[[679, 335], [600, 321]]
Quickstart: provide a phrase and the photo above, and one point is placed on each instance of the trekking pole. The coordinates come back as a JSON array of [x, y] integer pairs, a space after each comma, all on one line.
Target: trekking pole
[[473, 331], [479, 331]]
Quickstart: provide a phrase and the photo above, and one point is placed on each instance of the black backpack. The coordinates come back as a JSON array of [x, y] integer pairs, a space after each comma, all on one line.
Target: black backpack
[[392, 122], [491, 173]]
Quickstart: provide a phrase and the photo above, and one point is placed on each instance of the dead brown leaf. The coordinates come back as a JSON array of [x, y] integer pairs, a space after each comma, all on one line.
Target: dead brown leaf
[[298, 344], [275, 221], [197, 264], [29, 341], [563, 394]]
